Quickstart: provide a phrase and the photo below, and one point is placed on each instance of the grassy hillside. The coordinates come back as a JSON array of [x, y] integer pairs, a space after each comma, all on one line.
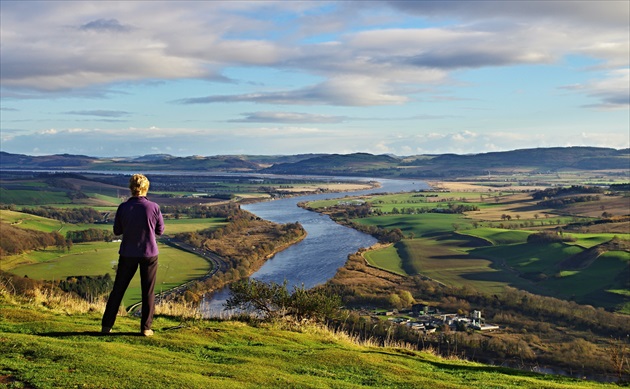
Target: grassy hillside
[[97, 258], [51, 348]]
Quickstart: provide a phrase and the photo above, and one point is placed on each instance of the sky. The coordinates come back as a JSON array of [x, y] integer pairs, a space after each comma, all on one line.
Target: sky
[[131, 78]]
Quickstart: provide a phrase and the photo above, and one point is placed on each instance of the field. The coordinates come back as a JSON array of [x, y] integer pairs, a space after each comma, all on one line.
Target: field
[[386, 258], [486, 248], [176, 226], [38, 223], [427, 224], [92, 259], [29, 197]]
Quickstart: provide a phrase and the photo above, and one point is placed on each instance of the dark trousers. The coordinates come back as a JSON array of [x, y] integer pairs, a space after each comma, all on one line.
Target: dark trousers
[[127, 267]]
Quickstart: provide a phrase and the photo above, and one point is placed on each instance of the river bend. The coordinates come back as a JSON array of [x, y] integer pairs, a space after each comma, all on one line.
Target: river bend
[[315, 259]]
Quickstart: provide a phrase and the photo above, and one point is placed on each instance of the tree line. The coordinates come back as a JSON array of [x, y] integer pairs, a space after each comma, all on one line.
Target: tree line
[[561, 202], [200, 211], [90, 288], [66, 215], [90, 235], [565, 191], [18, 240]]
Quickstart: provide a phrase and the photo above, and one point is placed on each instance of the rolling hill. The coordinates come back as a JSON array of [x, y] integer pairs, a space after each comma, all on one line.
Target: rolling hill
[[361, 164]]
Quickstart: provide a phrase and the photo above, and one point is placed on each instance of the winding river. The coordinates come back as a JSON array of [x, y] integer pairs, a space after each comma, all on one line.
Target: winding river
[[315, 259]]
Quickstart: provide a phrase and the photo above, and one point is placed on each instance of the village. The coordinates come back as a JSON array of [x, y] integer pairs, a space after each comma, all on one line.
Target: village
[[426, 319]]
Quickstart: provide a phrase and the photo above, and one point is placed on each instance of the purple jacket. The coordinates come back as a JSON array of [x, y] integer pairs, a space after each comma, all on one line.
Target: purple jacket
[[139, 221]]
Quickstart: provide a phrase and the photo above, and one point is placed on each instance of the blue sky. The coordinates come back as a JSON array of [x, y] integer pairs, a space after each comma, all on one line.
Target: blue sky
[[127, 78]]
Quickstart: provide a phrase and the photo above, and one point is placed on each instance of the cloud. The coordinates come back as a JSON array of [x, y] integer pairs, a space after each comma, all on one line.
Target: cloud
[[343, 91], [83, 48], [288, 117], [105, 25], [611, 13], [612, 92], [469, 142], [290, 140], [100, 113]]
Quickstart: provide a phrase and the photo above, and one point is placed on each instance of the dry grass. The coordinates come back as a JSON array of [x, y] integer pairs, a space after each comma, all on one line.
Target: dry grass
[[184, 310], [332, 187], [476, 186], [55, 301]]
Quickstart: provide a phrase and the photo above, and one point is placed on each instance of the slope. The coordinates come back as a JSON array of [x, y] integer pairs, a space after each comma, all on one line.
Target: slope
[[47, 348]]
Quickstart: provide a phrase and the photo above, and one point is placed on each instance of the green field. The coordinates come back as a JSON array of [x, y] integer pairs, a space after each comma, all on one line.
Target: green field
[[176, 226], [38, 223], [448, 249], [387, 258], [173, 226], [530, 258], [590, 240], [426, 224], [32, 222], [498, 236], [91, 259], [448, 261], [33, 197]]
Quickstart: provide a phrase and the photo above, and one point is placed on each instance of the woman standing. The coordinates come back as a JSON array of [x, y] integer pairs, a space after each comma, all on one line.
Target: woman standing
[[138, 220]]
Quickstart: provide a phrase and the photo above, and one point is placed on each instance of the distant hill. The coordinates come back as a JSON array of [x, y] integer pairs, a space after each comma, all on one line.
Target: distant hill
[[340, 164], [587, 158], [453, 165], [20, 161], [357, 164]]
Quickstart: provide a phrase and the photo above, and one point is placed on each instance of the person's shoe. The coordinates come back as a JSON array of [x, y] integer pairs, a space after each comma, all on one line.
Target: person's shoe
[[147, 332], [106, 330]]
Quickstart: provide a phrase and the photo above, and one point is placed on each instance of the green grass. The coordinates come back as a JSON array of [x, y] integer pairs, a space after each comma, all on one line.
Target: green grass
[[597, 283], [447, 261], [38, 223], [32, 222], [42, 348], [590, 240], [387, 259], [91, 259], [176, 226], [426, 224], [587, 286], [33, 197], [498, 236], [529, 258]]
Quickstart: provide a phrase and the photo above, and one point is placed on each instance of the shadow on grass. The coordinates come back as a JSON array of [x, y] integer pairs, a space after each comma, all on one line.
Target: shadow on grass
[[477, 368], [88, 333]]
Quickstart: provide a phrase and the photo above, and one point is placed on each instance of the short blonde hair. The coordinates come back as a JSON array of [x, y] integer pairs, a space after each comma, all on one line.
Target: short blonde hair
[[139, 185]]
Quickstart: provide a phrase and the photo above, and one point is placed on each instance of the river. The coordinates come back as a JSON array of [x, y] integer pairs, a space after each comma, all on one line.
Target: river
[[315, 259]]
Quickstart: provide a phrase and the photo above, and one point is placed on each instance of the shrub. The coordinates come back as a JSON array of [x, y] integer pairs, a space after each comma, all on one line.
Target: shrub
[[272, 301]]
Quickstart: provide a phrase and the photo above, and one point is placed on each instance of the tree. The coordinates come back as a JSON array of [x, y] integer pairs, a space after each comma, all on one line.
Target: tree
[[273, 301], [395, 301], [619, 360]]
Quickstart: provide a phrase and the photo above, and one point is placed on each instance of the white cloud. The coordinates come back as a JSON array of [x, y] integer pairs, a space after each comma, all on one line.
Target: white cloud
[[293, 140], [287, 117], [407, 56], [101, 43], [613, 91]]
